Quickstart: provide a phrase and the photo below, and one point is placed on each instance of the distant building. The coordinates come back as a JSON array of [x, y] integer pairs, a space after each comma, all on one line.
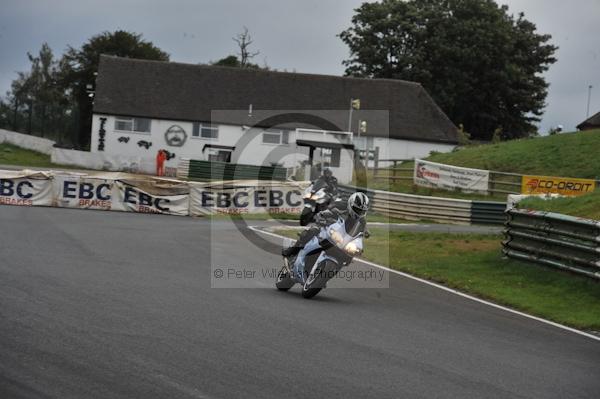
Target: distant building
[[142, 106], [593, 122]]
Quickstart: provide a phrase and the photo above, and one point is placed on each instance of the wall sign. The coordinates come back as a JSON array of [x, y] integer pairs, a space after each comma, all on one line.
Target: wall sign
[[144, 143], [175, 136], [101, 134], [123, 139]]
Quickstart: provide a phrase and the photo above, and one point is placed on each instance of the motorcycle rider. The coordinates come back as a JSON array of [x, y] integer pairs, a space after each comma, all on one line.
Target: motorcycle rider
[[330, 181], [354, 218]]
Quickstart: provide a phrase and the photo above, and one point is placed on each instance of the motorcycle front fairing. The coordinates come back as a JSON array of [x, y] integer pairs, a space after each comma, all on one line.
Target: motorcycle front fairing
[[335, 244]]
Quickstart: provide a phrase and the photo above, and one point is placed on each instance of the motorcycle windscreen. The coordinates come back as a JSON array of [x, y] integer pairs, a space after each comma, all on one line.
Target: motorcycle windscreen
[[353, 226], [319, 184]]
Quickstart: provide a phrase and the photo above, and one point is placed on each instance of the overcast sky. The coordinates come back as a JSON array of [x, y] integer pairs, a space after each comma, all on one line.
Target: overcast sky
[[295, 35]]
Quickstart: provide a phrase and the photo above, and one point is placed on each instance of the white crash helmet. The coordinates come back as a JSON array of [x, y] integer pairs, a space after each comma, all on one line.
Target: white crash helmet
[[358, 204]]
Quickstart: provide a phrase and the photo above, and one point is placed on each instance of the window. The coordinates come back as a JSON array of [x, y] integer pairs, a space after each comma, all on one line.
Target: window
[[205, 131], [124, 124], [141, 125], [276, 137], [331, 157], [220, 156]]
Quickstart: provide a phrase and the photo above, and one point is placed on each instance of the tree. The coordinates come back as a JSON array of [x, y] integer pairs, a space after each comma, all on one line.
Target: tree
[[481, 65], [242, 60], [229, 61], [244, 40], [79, 67], [35, 97]]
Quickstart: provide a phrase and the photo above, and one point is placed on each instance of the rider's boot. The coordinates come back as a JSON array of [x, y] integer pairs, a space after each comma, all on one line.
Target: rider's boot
[[290, 251]]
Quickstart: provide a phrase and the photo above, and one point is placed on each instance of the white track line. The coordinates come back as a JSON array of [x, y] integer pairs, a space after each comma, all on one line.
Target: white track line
[[494, 305]]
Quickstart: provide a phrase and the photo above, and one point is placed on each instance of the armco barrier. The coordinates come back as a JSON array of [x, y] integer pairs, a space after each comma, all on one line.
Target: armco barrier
[[555, 240], [213, 170], [437, 209]]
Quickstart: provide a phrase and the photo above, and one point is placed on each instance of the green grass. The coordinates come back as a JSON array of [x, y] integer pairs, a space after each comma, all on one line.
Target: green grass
[[585, 206], [13, 155], [567, 154], [473, 264]]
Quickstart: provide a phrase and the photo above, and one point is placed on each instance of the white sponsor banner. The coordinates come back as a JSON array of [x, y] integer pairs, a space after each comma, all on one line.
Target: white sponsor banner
[[131, 193], [437, 175], [240, 197], [83, 192], [24, 189], [148, 198]]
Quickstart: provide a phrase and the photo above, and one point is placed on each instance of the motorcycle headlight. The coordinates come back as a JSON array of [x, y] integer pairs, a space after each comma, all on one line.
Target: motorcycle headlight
[[318, 195], [351, 248], [336, 236]]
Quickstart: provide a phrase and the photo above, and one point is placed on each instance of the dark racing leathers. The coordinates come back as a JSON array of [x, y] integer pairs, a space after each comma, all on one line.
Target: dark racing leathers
[[322, 219], [331, 183]]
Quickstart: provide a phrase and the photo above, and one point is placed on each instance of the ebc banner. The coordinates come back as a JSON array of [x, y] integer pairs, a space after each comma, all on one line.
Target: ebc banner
[[133, 198], [25, 191], [246, 197], [83, 192]]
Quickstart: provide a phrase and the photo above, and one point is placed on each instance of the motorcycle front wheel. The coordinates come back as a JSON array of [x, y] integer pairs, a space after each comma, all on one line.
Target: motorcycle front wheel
[[316, 281], [284, 280]]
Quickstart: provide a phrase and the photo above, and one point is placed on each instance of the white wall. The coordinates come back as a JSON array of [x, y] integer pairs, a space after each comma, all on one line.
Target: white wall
[[249, 146]]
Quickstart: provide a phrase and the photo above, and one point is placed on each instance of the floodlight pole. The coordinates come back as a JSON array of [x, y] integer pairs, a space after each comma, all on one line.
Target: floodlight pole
[[587, 113], [350, 116]]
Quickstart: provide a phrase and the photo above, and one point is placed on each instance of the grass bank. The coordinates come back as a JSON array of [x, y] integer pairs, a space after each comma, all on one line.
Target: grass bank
[[13, 155], [567, 154], [585, 206], [473, 264]]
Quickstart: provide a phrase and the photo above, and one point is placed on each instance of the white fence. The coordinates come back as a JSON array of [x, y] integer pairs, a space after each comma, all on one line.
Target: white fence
[[101, 161], [29, 142], [82, 159]]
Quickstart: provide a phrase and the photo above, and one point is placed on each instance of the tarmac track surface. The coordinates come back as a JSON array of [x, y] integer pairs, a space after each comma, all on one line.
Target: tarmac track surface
[[119, 305]]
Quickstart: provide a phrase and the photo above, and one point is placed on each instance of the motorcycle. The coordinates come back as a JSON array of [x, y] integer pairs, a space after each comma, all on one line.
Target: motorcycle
[[316, 199], [322, 258]]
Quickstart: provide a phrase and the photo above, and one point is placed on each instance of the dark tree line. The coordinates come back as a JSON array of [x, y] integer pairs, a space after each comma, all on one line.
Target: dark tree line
[[480, 64], [54, 98]]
